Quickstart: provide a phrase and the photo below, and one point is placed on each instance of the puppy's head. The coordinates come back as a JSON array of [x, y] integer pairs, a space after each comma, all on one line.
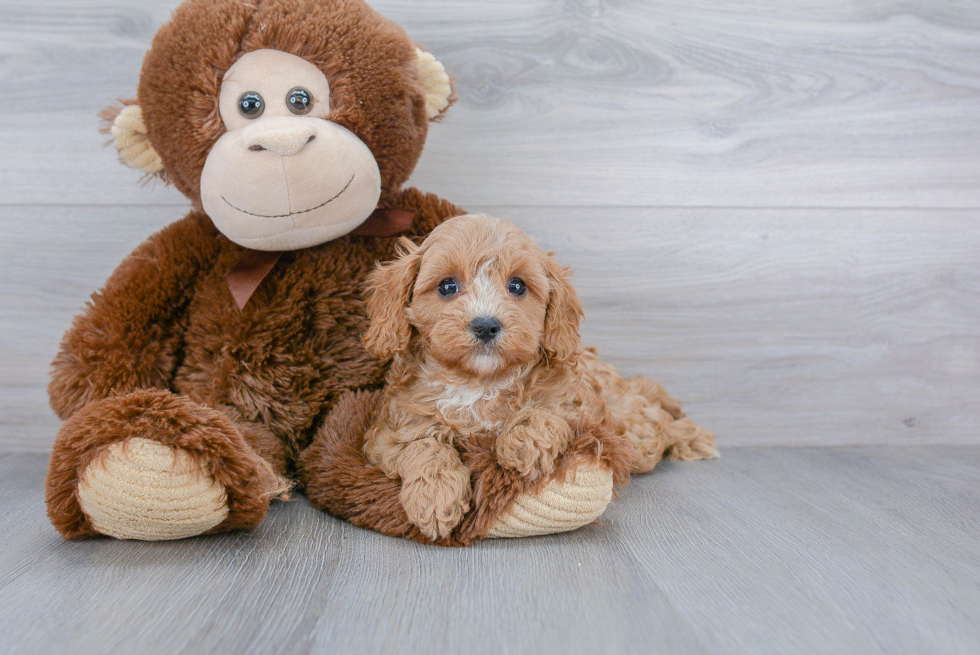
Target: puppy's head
[[481, 297]]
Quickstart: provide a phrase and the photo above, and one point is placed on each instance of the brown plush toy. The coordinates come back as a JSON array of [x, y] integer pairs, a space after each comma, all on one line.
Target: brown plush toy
[[223, 360]]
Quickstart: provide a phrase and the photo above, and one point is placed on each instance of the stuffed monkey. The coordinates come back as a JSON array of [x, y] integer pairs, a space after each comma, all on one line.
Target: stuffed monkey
[[222, 362]]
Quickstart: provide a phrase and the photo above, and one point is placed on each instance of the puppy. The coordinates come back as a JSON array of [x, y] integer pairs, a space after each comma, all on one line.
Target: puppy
[[483, 328]]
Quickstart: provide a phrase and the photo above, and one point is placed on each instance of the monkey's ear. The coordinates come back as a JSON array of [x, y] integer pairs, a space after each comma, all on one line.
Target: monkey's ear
[[438, 87], [129, 134]]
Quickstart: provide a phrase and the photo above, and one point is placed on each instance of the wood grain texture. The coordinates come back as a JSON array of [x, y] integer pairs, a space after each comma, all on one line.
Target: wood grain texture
[[580, 102], [699, 163], [800, 327], [831, 550], [820, 550]]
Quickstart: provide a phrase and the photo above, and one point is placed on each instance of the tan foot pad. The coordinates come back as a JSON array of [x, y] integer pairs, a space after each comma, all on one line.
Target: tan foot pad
[[560, 507], [142, 489]]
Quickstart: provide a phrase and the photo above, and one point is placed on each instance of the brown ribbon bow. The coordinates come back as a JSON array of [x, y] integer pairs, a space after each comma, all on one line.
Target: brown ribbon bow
[[254, 265]]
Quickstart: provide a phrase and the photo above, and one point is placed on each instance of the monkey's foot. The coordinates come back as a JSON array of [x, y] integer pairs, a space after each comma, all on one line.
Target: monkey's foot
[[560, 506], [142, 489], [154, 465]]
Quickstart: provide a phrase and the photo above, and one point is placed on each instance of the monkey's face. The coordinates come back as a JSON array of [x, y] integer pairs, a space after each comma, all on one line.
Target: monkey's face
[[284, 176], [288, 122]]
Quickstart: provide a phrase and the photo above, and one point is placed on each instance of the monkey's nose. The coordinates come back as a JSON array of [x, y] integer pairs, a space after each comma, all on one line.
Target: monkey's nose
[[486, 328], [280, 134]]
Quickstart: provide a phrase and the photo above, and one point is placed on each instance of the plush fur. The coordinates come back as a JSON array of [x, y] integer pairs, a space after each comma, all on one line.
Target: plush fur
[[162, 352], [230, 456], [283, 389], [166, 321]]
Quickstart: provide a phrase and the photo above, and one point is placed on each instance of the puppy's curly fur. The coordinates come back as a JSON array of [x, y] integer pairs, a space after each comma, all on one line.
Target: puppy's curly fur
[[484, 330]]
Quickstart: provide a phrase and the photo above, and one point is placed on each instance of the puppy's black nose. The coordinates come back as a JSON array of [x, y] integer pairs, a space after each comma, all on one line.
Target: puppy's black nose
[[486, 328]]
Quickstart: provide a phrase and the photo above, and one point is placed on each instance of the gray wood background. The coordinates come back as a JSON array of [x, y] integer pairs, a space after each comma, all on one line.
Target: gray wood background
[[772, 206]]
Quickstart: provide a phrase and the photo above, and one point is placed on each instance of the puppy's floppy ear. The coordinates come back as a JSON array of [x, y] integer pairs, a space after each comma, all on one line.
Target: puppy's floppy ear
[[561, 342], [390, 293]]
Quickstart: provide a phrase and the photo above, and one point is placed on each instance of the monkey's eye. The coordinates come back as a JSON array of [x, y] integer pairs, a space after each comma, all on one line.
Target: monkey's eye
[[448, 287], [251, 105], [516, 286], [300, 101]]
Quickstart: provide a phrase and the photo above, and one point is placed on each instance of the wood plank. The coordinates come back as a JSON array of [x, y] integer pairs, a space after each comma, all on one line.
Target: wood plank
[[831, 550], [51, 260], [767, 550], [694, 103], [307, 581], [186, 596], [548, 595], [62, 61], [799, 327]]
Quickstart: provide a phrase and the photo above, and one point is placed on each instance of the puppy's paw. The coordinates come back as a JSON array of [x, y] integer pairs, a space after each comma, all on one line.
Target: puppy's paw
[[532, 442], [437, 500]]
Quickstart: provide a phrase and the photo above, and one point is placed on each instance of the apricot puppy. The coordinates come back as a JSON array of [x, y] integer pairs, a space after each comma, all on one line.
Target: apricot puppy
[[483, 328]]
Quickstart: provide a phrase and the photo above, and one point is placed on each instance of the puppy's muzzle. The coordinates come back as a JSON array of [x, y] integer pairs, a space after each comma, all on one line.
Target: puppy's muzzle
[[486, 328]]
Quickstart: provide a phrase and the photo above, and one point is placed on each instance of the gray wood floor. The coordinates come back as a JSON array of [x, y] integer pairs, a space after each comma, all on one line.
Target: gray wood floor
[[767, 550]]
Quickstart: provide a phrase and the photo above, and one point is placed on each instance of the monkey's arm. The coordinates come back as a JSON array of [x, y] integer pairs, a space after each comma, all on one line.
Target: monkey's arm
[[128, 335]]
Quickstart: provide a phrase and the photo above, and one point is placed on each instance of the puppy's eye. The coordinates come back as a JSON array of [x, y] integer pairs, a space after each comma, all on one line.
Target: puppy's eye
[[448, 287], [300, 101], [516, 286], [251, 105]]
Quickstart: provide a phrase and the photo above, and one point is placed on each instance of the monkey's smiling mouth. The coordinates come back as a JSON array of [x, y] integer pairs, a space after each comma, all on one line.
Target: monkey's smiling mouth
[[305, 211]]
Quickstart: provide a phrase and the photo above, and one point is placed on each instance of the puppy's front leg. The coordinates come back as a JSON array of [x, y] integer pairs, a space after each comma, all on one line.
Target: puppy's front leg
[[532, 441], [435, 486]]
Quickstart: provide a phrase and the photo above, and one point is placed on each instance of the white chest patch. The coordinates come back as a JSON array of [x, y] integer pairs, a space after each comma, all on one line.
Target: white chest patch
[[462, 398], [470, 402]]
